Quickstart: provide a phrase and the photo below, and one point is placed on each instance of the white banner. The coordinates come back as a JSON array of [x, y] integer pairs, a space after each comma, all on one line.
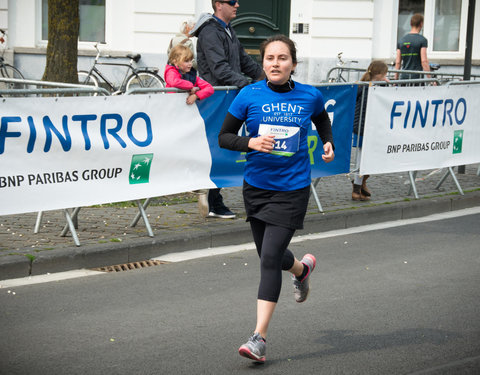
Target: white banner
[[417, 128], [71, 152]]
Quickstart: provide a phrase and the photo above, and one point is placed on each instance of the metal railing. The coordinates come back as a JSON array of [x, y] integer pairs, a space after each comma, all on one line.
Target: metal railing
[[338, 74], [57, 88], [148, 90]]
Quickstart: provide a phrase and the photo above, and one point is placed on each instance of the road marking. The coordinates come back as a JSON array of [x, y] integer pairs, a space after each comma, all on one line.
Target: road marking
[[39, 279], [388, 224], [201, 253]]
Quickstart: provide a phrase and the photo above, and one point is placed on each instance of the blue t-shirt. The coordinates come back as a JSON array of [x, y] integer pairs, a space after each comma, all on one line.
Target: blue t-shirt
[[288, 116]]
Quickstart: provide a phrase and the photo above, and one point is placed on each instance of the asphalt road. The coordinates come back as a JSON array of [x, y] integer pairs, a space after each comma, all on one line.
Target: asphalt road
[[403, 300]]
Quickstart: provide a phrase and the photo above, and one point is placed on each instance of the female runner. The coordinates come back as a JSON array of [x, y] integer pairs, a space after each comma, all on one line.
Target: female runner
[[277, 112]]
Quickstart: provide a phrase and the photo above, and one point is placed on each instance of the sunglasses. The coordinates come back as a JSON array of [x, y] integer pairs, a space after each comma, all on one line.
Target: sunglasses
[[230, 2]]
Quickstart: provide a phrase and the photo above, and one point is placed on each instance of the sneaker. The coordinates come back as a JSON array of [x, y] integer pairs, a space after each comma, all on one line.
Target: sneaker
[[202, 204], [302, 287], [222, 212], [254, 349]]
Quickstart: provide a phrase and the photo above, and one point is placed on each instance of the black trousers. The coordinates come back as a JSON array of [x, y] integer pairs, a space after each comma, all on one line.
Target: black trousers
[[215, 199], [271, 242]]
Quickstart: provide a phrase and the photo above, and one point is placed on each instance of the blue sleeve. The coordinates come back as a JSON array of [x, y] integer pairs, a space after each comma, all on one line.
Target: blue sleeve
[[319, 103], [239, 106]]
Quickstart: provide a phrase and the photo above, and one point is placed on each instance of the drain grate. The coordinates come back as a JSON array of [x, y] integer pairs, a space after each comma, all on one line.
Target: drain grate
[[130, 266]]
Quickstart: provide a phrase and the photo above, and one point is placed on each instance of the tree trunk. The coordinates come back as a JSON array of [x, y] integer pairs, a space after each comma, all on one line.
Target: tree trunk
[[62, 48]]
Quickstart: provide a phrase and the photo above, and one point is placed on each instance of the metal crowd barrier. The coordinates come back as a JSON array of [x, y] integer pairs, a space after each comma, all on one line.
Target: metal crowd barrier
[[443, 77], [59, 88], [412, 174], [461, 83], [65, 88], [56, 88], [148, 90], [217, 88]]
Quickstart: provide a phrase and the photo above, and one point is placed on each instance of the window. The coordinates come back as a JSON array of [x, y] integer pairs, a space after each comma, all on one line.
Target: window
[[445, 22], [406, 9], [446, 33], [92, 20]]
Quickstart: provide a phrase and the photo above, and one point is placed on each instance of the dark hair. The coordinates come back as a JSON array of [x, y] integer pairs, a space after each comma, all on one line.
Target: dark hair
[[375, 67], [213, 4], [280, 38], [416, 20]]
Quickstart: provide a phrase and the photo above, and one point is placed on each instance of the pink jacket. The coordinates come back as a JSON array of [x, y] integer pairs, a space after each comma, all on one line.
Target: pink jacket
[[173, 78]]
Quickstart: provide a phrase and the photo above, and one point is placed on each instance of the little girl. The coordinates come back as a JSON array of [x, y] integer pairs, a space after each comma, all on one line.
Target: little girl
[[376, 71], [180, 74]]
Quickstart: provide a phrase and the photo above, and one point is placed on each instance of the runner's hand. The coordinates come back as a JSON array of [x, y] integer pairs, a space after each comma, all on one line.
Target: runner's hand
[[264, 143], [328, 152]]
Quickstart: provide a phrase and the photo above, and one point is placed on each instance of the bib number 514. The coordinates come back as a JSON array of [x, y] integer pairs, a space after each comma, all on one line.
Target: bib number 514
[[280, 145]]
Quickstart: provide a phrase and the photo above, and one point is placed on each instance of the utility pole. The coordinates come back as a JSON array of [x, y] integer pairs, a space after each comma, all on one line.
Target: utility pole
[[467, 69]]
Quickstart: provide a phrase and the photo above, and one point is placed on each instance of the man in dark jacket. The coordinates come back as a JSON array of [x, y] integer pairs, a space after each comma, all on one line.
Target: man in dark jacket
[[222, 61]]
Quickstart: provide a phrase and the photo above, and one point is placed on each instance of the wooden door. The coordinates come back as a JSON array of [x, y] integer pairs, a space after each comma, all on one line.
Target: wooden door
[[258, 19]]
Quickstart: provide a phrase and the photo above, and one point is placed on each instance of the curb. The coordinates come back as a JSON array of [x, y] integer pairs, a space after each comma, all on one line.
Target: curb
[[234, 233]]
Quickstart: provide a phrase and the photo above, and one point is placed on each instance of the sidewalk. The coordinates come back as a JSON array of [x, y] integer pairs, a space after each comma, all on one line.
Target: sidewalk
[[106, 237]]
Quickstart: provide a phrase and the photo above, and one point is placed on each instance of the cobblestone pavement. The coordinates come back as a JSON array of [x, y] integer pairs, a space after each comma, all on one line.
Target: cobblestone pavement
[[110, 224]]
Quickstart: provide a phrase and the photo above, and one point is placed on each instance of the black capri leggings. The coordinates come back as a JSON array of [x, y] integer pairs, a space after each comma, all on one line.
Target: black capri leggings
[[271, 242]]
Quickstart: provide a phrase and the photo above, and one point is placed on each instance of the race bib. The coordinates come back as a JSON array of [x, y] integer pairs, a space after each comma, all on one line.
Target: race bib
[[287, 139]]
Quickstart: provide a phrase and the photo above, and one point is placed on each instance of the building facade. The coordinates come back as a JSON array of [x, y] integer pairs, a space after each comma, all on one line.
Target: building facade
[[361, 29]]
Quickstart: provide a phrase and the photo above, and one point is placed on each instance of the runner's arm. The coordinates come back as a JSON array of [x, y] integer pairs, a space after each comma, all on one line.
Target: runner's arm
[[228, 137], [324, 127]]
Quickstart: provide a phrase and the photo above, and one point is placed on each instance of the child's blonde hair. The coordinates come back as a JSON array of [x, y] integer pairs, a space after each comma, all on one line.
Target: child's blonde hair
[[179, 54], [375, 67]]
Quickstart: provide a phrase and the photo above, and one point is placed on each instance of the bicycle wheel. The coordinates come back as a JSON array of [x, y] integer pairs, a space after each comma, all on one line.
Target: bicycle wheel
[[88, 80], [145, 79], [8, 71]]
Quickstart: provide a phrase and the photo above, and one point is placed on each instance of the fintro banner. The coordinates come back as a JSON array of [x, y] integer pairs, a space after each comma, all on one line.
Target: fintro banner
[[79, 151], [417, 128]]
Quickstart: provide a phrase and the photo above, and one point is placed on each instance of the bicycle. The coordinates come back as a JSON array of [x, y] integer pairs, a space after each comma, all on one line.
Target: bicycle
[[341, 67], [139, 77], [7, 70]]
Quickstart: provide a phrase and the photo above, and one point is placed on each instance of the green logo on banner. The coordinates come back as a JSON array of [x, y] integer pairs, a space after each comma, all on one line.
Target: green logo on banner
[[457, 141], [140, 168]]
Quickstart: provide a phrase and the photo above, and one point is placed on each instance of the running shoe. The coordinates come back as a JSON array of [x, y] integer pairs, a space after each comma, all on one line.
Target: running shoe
[[254, 349], [302, 287]]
